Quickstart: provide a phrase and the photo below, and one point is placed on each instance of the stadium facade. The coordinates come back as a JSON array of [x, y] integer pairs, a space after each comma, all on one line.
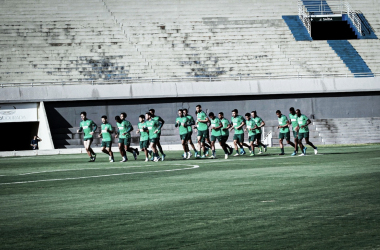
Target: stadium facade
[[112, 56]]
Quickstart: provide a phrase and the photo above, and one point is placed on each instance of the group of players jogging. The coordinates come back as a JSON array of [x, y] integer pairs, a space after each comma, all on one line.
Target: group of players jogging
[[150, 125]]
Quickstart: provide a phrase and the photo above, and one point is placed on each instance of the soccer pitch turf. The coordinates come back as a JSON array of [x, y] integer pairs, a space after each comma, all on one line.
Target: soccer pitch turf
[[325, 201]]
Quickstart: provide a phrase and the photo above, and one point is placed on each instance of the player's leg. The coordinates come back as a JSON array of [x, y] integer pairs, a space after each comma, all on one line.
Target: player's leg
[[223, 145], [241, 144], [296, 143], [183, 143], [160, 148], [154, 149], [88, 149], [110, 152], [104, 150], [311, 144], [251, 140], [122, 151], [212, 144], [236, 143], [144, 148], [128, 148], [190, 142], [302, 147], [230, 149], [260, 144], [281, 139], [199, 138]]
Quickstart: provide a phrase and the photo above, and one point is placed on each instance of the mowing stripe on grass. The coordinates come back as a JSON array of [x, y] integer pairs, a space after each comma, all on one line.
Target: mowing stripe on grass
[[255, 158], [105, 175]]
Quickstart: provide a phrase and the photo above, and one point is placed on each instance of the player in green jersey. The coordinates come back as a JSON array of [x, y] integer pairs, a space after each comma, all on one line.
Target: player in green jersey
[[106, 135], [191, 123], [225, 132], [160, 120], [154, 128], [238, 123], [182, 122], [293, 121], [88, 127], [203, 134], [284, 131], [303, 132], [260, 123], [216, 134], [124, 134], [144, 136], [251, 128]]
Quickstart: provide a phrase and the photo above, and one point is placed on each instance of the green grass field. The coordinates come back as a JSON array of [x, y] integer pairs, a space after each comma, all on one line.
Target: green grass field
[[326, 201]]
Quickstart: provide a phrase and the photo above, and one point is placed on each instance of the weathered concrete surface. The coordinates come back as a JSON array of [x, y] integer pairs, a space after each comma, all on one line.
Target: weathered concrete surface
[[187, 89]]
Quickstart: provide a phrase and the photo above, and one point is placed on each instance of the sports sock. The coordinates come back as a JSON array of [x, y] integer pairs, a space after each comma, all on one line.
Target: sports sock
[[282, 151], [213, 152]]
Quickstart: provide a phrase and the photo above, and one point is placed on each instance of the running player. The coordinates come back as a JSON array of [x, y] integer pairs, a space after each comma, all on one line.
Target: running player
[[190, 123], [106, 131], [124, 134], [154, 128], [225, 132], [144, 137], [202, 128], [284, 131], [303, 132], [260, 123], [88, 127], [293, 121], [238, 123], [251, 128], [159, 120], [181, 122], [216, 133]]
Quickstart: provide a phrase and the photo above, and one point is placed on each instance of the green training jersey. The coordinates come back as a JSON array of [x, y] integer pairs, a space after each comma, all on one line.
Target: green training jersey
[[157, 118], [144, 136], [106, 132], [302, 120], [191, 122], [152, 126], [282, 121], [182, 121], [293, 120], [88, 126], [216, 123], [225, 122], [250, 125], [202, 126], [258, 121], [123, 127], [236, 122]]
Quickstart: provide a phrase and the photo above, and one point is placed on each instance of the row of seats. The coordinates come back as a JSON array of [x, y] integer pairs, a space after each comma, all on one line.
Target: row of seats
[[50, 40]]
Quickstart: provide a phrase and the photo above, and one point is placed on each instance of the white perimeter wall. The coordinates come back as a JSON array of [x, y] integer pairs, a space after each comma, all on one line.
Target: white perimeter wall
[[187, 89]]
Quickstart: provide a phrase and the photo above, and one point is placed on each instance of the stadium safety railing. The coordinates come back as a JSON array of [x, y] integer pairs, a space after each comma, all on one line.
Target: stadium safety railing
[[186, 79], [311, 8]]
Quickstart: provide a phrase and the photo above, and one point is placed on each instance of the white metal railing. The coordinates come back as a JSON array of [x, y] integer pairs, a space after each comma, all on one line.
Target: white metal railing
[[332, 7], [187, 79], [354, 17], [304, 16]]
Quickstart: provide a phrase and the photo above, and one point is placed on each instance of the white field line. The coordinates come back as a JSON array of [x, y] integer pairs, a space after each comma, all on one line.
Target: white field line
[[82, 169], [105, 175]]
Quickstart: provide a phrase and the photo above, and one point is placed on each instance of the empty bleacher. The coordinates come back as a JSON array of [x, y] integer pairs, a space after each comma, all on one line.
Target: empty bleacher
[[122, 39]]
